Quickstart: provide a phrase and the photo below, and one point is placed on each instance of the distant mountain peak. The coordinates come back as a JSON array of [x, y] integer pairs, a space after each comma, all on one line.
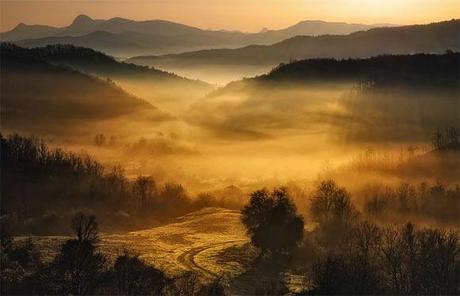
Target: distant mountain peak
[[117, 18], [82, 19], [20, 26]]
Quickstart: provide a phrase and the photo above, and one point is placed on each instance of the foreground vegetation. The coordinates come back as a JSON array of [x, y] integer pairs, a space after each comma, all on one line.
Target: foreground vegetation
[[370, 249], [345, 254], [81, 269], [42, 188]]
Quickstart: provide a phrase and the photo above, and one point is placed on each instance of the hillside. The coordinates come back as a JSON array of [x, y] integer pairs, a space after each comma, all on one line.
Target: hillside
[[188, 243], [431, 38], [419, 69], [348, 99], [211, 242], [441, 163], [57, 97], [98, 63], [124, 37], [164, 90]]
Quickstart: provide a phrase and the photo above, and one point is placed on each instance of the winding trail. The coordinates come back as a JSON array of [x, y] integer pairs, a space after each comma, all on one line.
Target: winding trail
[[187, 259]]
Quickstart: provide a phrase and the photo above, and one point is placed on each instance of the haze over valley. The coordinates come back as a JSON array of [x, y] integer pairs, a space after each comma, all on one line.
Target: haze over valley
[[151, 157]]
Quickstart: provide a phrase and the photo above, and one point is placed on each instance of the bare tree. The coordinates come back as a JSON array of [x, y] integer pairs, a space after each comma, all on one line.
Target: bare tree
[[144, 188], [332, 209], [85, 228]]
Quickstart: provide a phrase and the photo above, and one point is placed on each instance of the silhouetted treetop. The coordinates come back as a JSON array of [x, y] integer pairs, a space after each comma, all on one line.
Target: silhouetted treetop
[[85, 227], [272, 221]]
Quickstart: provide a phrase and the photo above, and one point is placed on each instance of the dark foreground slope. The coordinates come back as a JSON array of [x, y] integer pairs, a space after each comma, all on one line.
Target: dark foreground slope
[[36, 94], [431, 38]]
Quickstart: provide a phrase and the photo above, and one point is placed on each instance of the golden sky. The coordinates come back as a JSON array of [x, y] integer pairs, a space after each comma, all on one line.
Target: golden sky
[[243, 15]]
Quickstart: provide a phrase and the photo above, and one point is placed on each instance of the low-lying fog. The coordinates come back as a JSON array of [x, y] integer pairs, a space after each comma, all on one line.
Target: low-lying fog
[[252, 134]]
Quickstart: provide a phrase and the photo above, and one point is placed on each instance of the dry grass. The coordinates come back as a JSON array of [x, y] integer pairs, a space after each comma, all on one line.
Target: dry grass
[[195, 242]]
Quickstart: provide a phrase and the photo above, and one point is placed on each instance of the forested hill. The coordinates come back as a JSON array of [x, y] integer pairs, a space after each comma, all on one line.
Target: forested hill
[[421, 69], [38, 94], [98, 63]]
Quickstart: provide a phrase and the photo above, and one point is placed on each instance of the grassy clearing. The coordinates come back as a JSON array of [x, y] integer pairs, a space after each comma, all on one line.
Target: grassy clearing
[[195, 242]]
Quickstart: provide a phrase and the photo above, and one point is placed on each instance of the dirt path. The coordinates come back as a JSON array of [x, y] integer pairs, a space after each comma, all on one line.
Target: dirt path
[[187, 259]]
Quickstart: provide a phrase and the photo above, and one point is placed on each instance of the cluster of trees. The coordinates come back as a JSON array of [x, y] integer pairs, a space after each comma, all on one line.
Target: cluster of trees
[[363, 258], [371, 160], [43, 188], [81, 269], [101, 140], [449, 138], [350, 255], [436, 201], [390, 261]]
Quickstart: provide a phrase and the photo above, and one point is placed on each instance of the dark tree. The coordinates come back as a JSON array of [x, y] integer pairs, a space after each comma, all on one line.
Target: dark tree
[[272, 221], [332, 209], [144, 189], [79, 268], [134, 277], [85, 228], [391, 261]]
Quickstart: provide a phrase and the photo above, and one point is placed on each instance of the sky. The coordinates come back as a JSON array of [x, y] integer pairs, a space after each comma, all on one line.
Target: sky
[[242, 15]]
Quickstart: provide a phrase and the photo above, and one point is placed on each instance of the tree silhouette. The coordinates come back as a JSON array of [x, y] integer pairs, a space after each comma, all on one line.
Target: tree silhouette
[[332, 209], [79, 268], [144, 188], [390, 261], [85, 228], [272, 221], [134, 277]]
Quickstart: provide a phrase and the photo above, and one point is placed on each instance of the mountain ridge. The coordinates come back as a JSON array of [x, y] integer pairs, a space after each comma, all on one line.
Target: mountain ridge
[[430, 38], [166, 34]]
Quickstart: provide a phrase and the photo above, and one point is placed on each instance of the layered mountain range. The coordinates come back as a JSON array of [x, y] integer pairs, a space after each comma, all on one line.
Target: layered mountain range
[[124, 37]]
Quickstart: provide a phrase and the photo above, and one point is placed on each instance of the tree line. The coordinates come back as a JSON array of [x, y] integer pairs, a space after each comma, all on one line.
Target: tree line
[[348, 254], [42, 188]]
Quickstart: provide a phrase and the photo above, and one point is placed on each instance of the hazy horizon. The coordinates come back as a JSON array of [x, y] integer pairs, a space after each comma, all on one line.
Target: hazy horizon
[[217, 15], [156, 158]]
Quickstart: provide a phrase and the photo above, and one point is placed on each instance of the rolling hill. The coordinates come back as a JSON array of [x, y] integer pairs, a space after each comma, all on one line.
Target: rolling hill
[[123, 37], [431, 38], [100, 64], [409, 70], [37, 95], [165, 90], [210, 242], [349, 99]]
